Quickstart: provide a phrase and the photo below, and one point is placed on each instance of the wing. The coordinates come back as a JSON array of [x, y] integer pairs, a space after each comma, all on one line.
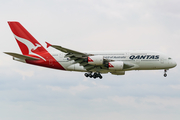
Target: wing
[[24, 57], [79, 57]]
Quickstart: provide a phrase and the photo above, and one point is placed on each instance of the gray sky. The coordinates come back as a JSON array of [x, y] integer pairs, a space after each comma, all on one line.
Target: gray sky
[[29, 92]]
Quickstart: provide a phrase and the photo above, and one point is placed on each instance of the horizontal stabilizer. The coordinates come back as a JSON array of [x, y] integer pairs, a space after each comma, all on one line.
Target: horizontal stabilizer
[[16, 55]]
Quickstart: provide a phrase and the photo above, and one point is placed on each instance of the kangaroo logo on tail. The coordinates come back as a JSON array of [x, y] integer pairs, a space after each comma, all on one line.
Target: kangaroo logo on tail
[[37, 45], [31, 47]]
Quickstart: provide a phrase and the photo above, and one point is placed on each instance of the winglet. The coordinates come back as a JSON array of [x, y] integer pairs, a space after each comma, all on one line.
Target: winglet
[[48, 44]]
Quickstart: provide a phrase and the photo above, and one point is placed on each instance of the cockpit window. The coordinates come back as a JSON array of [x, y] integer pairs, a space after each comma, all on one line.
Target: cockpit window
[[169, 58]]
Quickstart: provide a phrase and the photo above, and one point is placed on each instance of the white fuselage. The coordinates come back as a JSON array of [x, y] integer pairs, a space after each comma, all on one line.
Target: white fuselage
[[142, 60]]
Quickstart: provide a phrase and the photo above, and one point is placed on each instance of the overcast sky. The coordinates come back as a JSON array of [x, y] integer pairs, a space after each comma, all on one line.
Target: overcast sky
[[34, 93]]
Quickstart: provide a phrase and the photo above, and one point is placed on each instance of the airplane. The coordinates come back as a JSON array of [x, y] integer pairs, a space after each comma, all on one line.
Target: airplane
[[92, 63]]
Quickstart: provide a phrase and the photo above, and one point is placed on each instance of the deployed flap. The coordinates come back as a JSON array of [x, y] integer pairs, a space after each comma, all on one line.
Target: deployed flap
[[16, 55]]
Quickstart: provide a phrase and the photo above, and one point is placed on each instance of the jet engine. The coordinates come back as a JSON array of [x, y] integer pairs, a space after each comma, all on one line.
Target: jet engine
[[95, 60], [116, 65]]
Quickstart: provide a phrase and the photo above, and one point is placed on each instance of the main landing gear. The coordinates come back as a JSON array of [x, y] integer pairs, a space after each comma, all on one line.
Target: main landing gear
[[165, 74], [95, 75]]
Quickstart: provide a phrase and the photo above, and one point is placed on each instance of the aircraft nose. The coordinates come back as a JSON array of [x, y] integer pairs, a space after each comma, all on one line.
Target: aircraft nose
[[174, 64]]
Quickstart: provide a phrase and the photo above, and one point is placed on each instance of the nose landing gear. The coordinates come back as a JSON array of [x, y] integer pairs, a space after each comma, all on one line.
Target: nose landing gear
[[165, 74], [95, 75]]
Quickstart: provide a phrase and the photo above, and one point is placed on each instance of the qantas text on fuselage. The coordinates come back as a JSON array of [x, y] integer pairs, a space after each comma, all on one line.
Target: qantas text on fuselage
[[92, 63], [144, 57]]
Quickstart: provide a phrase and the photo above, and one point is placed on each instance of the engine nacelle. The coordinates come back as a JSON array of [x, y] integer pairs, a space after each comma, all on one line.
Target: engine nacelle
[[95, 60], [116, 65]]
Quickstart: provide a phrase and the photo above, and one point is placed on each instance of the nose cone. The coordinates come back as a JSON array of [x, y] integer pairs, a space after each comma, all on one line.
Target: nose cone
[[174, 64]]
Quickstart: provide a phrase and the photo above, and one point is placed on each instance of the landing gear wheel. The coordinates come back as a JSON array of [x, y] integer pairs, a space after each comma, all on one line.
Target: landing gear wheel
[[165, 75], [90, 75], [95, 75], [86, 74], [99, 75]]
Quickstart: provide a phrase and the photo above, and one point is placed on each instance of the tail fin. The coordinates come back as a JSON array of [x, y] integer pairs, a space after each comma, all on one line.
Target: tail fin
[[27, 43]]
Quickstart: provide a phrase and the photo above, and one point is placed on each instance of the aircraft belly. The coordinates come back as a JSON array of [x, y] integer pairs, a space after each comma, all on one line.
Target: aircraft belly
[[151, 65]]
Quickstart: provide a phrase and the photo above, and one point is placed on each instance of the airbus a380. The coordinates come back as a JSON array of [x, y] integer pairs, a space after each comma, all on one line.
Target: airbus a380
[[92, 63]]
